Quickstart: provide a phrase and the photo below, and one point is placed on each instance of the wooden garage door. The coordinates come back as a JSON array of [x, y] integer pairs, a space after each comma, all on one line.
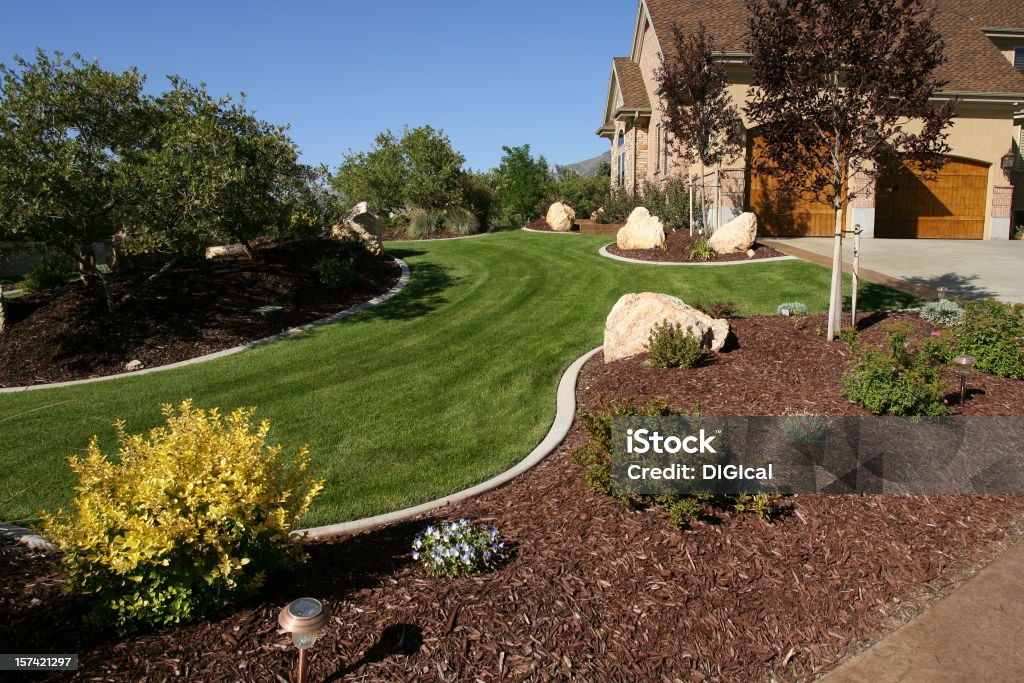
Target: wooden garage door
[[950, 205], [779, 215]]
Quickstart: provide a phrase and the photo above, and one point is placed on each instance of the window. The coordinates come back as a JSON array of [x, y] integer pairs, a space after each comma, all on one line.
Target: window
[[1018, 58], [1020, 148], [622, 138], [620, 174], [664, 150]]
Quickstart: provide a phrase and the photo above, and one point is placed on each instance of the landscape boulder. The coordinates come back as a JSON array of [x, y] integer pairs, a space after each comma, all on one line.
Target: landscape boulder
[[641, 231], [560, 217], [133, 365], [628, 327], [735, 237], [360, 223], [594, 216], [219, 250]]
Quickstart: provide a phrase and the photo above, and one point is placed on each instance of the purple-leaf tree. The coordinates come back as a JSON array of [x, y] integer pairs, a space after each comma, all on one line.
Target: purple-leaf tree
[[841, 88], [700, 117]]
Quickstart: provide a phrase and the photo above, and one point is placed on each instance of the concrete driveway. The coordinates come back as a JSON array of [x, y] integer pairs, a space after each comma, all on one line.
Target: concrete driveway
[[971, 269]]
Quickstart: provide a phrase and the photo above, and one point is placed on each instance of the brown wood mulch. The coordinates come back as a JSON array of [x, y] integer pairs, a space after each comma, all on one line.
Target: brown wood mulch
[[593, 591], [195, 309], [677, 250], [541, 225]]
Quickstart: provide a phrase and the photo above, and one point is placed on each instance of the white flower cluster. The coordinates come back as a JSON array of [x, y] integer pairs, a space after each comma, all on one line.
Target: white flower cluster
[[459, 547]]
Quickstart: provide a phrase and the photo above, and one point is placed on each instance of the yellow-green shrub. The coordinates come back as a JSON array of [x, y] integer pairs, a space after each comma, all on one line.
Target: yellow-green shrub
[[187, 520]]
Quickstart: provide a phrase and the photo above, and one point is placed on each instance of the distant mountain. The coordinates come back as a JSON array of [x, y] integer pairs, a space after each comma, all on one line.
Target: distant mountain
[[585, 168]]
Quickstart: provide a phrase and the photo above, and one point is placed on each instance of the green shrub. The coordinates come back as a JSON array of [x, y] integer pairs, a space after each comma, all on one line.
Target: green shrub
[[719, 309], [185, 521], [672, 347], [423, 223], [942, 312], [701, 250], [595, 456], [794, 308], [46, 275], [461, 221], [336, 273], [458, 548], [993, 333], [898, 380]]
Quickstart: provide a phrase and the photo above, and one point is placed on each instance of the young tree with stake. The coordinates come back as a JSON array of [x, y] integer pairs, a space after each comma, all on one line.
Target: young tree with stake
[[699, 114], [844, 88]]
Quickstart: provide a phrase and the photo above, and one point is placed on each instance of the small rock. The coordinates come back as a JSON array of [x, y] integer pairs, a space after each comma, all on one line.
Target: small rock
[[132, 366], [596, 214], [736, 236], [560, 217], [750, 253], [641, 231], [224, 250]]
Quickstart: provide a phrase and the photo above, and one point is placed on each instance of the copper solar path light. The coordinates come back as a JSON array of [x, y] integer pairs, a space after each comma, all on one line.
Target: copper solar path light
[[964, 364], [303, 618]]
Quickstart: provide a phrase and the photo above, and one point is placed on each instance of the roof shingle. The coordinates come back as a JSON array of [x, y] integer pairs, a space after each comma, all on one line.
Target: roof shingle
[[974, 63], [631, 83]]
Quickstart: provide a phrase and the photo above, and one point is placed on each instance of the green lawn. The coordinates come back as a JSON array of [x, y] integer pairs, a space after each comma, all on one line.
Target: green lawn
[[441, 387]]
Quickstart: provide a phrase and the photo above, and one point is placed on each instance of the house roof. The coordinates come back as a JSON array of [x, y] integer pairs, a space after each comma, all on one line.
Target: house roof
[[631, 84], [974, 65]]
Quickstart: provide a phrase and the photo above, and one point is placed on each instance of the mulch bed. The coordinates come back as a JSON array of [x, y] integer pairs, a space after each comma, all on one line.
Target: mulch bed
[[593, 591], [398, 233], [677, 250], [195, 309], [541, 225]]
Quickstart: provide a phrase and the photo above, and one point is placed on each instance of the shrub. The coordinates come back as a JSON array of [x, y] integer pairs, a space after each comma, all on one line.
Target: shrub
[[942, 312], [672, 347], [185, 521], [595, 455], [719, 309], [794, 308], [898, 380], [461, 221], [423, 223], [458, 548], [336, 273], [701, 250], [805, 428], [993, 333], [47, 275]]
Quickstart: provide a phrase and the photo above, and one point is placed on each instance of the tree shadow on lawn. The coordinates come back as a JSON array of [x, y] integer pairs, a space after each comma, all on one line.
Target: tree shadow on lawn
[[873, 297], [959, 286], [424, 293]]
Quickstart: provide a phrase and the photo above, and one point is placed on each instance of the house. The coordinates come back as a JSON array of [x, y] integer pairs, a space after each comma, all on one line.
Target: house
[[979, 194]]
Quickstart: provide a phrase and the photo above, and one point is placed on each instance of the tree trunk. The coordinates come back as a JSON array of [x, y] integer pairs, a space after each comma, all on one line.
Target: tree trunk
[[835, 299]]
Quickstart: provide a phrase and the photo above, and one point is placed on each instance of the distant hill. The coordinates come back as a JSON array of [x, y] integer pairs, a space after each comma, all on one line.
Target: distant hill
[[585, 168]]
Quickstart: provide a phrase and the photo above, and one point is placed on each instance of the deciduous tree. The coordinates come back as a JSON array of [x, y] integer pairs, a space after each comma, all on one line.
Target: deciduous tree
[[842, 88]]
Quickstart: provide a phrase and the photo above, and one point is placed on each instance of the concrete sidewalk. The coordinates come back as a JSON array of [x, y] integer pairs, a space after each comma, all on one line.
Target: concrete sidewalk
[[971, 269], [974, 635]]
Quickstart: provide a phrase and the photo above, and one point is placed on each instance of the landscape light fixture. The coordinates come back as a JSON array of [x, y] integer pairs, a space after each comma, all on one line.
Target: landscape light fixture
[[943, 291], [964, 365], [303, 618]]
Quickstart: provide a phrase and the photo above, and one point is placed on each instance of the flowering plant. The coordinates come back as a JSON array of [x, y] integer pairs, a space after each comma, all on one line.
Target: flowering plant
[[805, 428], [457, 548]]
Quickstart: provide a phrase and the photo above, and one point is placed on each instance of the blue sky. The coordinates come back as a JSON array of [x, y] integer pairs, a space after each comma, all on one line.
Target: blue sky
[[488, 73]]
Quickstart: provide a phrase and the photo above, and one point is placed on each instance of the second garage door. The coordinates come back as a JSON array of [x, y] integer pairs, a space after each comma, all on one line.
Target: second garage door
[[950, 205]]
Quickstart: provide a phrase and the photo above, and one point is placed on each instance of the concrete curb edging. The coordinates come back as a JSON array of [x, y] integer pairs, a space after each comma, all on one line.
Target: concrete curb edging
[[488, 231], [603, 251], [26, 537], [380, 298], [565, 411], [551, 232]]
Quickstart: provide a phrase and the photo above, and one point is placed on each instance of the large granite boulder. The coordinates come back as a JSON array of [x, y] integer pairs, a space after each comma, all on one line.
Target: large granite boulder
[[735, 237], [360, 223], [628, 327], [641, 231], [560, 217]]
